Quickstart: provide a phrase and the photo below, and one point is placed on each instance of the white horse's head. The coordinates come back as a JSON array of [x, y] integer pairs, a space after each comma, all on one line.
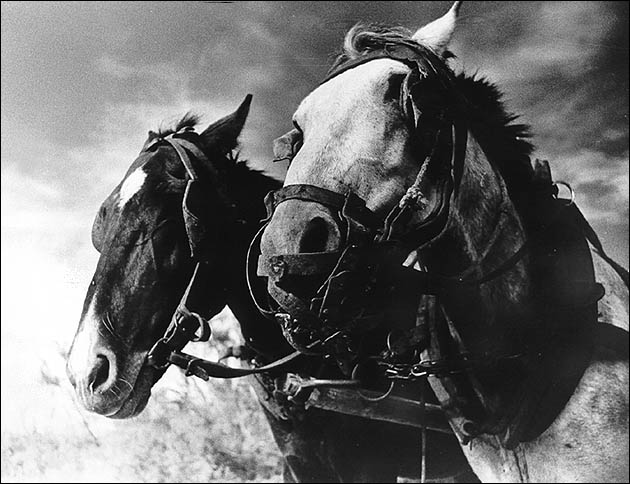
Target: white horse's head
[[353, 136], [427, 156]]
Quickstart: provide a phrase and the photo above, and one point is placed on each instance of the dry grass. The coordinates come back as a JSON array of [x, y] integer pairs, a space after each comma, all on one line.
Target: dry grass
[[191, 431]]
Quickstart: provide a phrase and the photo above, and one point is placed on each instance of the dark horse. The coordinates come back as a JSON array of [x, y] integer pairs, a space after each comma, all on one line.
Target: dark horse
[[144, 267], [145, 262], [515, 315]]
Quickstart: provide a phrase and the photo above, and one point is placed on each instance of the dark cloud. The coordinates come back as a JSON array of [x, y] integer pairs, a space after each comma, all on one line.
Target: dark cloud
[[83, 82], [597, 189]]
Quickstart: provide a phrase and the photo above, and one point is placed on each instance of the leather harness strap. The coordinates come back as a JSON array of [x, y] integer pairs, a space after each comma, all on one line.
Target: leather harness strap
[[358, 222], [350, 204], [187, 325], [369, 240], [525, 421]]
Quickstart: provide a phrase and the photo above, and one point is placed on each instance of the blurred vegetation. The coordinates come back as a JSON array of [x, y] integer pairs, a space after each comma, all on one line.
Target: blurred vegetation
[[191, 431]]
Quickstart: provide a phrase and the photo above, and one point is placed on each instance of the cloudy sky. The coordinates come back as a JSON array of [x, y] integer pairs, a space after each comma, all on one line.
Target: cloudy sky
[[82, 83]]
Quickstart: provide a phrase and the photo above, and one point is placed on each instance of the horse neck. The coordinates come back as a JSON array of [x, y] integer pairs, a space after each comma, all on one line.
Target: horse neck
[[247, 189], [484, 230]]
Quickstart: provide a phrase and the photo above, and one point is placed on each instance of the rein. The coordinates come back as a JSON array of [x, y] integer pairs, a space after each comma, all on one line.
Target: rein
[[337, 395]]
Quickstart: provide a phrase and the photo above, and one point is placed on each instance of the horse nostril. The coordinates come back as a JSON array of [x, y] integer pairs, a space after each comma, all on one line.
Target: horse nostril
[[315, 237], [99, 373]]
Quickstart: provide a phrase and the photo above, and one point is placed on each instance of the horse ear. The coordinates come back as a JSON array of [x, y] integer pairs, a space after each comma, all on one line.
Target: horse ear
[[223, 134], [437, 34]]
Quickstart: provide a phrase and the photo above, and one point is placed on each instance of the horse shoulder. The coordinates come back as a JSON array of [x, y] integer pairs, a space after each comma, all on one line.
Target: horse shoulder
[[589, 439], [588, 442]]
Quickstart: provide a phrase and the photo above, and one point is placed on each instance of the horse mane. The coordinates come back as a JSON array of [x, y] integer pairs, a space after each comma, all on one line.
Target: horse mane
[[188, 120], [249, 186], [505, 144], [363, 38]]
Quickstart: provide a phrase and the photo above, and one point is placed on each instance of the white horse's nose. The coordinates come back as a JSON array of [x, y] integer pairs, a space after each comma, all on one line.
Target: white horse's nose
[[299, 227], [317, 235]]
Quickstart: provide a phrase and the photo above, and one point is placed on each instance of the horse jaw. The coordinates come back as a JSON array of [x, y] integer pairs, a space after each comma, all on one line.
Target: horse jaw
[[437, 34]]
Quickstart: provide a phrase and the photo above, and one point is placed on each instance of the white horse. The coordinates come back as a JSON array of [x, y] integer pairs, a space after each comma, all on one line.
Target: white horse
[[353, 135]]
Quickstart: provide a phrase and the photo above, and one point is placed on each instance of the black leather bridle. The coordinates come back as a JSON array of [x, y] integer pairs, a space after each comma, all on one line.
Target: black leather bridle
[[186, 323]]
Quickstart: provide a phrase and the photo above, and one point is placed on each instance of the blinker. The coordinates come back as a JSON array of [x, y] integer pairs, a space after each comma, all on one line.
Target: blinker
[[286, 146]]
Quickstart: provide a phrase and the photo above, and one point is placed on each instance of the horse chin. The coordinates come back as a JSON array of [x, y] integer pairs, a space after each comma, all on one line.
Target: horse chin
[[138, 398], [131, 408]]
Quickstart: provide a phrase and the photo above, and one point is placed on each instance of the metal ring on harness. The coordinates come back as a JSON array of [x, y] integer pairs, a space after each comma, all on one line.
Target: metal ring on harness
[[364, 396], [571, 191], [157, 357], [204, 331]]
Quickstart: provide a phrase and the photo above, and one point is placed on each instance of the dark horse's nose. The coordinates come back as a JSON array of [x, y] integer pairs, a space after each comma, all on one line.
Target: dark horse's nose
[[300, 227], [92, 371]]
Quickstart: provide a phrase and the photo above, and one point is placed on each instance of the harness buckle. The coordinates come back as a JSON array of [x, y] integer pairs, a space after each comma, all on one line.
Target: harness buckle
[[193, 369], [158, 355], [185, 326]]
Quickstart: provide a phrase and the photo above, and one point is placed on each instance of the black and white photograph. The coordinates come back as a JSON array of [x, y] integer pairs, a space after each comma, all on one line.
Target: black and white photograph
[[290, 241]]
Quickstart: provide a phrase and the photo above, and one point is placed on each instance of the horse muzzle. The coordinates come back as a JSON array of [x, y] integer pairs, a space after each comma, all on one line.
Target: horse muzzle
[[103, 383], [321, 299]]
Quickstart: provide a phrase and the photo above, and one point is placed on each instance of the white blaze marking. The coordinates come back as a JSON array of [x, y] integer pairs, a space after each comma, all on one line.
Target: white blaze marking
[[81, 357], [132, 185]]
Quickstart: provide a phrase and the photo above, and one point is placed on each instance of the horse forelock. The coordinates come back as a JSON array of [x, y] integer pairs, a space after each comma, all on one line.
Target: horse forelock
[[188, 120], [363, 39]]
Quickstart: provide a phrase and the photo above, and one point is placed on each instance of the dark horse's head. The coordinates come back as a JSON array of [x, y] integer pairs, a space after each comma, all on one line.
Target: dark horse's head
[[145, 262]]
